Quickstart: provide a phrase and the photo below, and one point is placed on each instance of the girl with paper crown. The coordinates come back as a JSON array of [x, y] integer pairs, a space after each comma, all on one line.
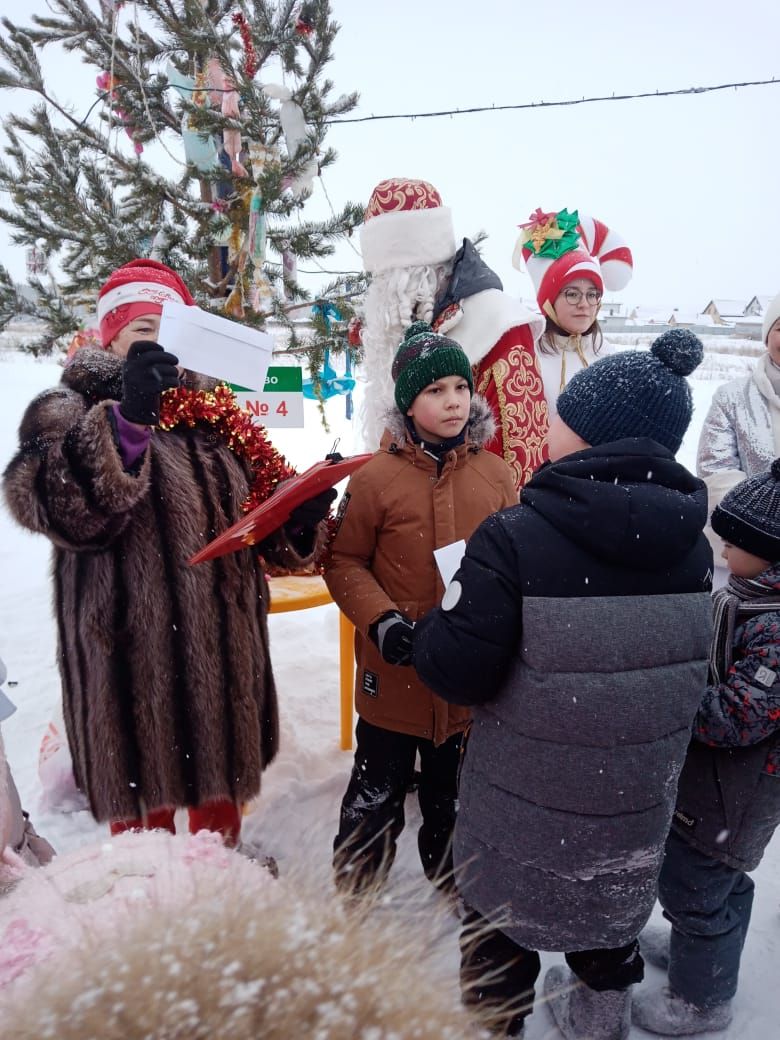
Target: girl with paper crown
[[571, 260], [129, 467]]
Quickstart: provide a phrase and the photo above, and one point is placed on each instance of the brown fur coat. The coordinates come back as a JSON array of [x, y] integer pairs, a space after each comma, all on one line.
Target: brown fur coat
[[168, 693]]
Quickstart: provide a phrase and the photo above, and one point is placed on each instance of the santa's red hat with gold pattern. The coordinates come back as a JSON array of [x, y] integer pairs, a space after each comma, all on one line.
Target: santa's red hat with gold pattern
[[406, 225]]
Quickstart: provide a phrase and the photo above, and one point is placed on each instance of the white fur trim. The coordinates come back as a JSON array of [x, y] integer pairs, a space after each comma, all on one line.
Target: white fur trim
[[408, 238], [486, 317], [135, 292]]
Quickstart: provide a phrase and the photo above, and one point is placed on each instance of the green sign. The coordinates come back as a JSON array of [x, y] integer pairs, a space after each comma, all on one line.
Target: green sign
[[279, 379]]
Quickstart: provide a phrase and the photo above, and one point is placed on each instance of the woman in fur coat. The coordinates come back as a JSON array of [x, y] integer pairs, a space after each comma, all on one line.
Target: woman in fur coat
[[168, 693]]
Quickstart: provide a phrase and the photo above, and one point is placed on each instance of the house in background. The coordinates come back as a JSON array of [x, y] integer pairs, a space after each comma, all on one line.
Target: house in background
[[690, 320], [758, 305], [648, 316], [723, 312], [612, 309]]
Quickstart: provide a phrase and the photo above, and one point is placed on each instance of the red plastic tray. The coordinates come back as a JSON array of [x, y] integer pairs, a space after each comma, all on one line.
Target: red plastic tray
[[272, 513]]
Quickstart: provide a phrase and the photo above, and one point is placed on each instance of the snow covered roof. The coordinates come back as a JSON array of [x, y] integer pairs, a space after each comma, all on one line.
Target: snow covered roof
[[762, 301], [679, 317], [727, 307], [650, 315]]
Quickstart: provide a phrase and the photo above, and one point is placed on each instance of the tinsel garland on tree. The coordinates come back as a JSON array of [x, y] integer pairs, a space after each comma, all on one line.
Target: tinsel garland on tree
[[249, 442]]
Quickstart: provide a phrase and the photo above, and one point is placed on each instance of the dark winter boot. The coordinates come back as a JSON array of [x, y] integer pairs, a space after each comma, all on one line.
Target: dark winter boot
[[654, 945], [668, 1014], [582, 1013]]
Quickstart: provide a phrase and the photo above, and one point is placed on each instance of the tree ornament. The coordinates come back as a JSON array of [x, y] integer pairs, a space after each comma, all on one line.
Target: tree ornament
[[261, 293], [111, 7], [231, 136], [84, 338], [256, 235], [355, 332], [304, 19], [250, 55], [107, 84], [295, 133], [290, 271]]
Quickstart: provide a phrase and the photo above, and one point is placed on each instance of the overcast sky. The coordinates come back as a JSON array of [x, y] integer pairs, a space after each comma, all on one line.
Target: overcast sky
[[690, 182]]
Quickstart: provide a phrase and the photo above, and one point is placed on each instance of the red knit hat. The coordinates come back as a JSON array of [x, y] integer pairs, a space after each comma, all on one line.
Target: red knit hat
[[406, 225], [140, 287], [559, 248]]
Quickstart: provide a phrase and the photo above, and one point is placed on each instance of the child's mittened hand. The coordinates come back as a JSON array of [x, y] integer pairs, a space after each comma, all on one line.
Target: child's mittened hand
[[394, 636]]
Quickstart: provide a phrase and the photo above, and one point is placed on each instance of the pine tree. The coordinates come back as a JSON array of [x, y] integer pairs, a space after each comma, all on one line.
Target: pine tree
[[200, 80]]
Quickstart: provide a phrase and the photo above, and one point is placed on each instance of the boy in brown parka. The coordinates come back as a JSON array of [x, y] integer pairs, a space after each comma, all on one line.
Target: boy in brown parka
[[429, 485]]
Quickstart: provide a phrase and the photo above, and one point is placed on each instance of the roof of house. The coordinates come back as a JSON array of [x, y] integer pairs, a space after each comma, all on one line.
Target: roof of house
[[679, 317], [729, 307]]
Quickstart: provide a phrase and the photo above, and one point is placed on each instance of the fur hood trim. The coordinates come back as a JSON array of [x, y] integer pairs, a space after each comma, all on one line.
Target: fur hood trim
[[481, 426], [97, 375], [487, 316]]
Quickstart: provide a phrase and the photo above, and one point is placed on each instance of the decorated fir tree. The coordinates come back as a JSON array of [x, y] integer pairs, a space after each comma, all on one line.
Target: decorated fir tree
[[201, 150]]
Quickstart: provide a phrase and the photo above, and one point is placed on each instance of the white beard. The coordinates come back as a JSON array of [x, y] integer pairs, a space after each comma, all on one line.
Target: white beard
[[393, 301]]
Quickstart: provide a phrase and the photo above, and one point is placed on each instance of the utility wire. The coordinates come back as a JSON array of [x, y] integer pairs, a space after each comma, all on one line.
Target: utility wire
[[557, 104]]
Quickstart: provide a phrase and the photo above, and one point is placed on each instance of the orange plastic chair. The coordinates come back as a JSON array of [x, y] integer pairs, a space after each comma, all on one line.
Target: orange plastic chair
[[299, 592]]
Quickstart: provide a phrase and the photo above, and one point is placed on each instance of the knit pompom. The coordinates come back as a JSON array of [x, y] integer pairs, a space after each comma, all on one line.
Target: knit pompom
[[417, 328], [776, 469], [680, 350]]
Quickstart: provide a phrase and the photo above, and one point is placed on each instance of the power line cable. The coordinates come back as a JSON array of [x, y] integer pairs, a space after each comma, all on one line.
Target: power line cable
[[557, 104]]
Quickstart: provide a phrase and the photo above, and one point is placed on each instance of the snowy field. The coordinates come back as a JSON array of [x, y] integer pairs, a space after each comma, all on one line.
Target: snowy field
[[297, 811]]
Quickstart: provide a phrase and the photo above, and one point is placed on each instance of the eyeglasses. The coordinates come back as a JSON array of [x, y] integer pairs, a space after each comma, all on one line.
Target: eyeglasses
[[573, 296]]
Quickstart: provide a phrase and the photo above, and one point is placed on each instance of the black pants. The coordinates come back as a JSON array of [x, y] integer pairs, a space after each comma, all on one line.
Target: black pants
[[497, 975], [372, 811]]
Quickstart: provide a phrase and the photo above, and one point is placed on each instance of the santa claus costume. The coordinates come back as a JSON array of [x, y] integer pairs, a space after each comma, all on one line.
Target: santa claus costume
[[418, 273]]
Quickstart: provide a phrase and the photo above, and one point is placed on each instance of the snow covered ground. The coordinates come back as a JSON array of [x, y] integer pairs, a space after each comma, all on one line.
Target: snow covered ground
[[295, 815]]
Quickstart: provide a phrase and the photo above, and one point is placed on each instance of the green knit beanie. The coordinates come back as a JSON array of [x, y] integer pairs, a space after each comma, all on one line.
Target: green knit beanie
[[422, 358]]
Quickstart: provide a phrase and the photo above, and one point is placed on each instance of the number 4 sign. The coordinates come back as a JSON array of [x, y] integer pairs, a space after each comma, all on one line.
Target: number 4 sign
[[280, 403]]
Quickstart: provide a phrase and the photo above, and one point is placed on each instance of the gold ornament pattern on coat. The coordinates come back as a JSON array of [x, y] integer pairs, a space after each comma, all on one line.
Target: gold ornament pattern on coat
[[523, 416]]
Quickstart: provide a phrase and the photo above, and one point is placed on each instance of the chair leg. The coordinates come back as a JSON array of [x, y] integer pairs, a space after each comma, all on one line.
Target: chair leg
[[346, 678]]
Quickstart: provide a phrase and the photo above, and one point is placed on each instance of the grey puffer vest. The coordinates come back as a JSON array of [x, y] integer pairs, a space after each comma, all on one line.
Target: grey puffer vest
[[569, 781]]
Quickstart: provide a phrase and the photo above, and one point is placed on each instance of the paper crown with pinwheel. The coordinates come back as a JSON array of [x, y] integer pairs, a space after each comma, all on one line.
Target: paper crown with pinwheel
[[558, 248]]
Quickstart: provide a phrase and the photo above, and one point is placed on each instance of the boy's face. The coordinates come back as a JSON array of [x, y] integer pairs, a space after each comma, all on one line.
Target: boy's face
[[562, 440], [743, 564], [147, 326], [441, 410]]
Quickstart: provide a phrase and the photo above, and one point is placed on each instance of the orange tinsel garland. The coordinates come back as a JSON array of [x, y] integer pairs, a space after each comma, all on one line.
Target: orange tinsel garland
[[218, 408]]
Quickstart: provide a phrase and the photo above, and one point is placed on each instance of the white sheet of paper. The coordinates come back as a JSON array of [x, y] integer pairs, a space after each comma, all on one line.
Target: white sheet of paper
[[214, 346], [448, 560]]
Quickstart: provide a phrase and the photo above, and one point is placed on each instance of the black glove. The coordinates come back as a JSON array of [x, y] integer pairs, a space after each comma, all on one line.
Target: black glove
[[147, 371], [310, 512], [394, 636]]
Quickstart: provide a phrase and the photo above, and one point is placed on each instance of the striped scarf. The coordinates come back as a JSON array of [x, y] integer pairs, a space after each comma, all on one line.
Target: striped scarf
[[738, 601]]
